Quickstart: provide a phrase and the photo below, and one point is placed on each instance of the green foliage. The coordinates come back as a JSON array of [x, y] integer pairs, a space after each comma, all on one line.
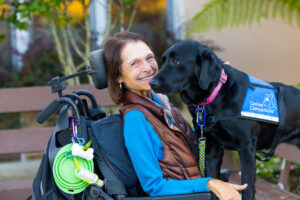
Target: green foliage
[[51, 9], [270, 170], [2, 37], [9, 120], [128, 3], [40, 63], [294, 180], [220, 14]]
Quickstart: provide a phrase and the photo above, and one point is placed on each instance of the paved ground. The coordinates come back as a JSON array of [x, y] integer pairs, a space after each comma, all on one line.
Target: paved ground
[[266, 191]]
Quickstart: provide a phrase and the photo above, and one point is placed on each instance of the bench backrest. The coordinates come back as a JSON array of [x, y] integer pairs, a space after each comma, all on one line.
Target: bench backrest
[[25, 99], [289, 152]]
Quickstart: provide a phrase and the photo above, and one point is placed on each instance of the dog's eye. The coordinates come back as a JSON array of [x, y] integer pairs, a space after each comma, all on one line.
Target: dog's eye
[[175, 62]]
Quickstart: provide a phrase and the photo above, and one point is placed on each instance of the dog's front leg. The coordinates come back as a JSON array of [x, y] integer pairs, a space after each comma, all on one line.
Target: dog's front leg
[[248, 169], [214, 154]]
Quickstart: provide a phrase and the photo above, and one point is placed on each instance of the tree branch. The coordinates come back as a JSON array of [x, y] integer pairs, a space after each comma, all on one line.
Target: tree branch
[[73, 42], [68, 56], [132, 15], [108, 26], [87, 29], [81, 65], [121, 15], [58, 46]]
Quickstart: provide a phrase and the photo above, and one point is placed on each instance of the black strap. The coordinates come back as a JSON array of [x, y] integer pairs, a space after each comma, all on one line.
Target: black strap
[[113, 183], [252, 85], [282, 116]]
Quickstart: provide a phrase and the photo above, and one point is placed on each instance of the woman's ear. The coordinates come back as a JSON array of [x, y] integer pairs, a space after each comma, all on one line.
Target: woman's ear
[[119, 80], [208, 70]]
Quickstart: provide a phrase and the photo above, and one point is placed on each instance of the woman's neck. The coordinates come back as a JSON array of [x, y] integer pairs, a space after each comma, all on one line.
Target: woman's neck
[[144, 93]]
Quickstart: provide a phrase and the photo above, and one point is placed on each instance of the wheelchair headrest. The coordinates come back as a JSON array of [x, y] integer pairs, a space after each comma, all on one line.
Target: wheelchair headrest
[[97, 65]]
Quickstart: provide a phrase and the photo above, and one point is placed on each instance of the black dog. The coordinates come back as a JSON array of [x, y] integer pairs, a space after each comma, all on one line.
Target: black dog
[[194, 71]]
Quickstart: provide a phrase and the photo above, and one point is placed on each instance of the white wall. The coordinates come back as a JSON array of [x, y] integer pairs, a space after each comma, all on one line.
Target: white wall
[[269, 50]]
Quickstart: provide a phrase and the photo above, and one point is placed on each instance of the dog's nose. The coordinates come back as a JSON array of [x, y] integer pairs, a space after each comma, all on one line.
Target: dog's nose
[[154, 83]]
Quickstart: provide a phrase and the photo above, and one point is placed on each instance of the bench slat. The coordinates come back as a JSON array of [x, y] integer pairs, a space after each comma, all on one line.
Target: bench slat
[[24, 140], [16, 189], [37, 98], [289, 152]]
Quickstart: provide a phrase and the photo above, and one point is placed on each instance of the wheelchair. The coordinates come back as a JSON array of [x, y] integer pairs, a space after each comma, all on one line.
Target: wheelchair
[[111, 160]]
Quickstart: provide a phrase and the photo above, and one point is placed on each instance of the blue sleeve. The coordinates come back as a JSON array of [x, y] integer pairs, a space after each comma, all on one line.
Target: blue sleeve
[[145, 149]]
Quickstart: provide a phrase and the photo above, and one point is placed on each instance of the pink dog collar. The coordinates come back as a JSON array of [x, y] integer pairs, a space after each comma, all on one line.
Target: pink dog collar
[[213, 95]]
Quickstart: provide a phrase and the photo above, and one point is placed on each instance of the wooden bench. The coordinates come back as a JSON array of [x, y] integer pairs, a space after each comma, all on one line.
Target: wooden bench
[[290, 154], [33, 139]]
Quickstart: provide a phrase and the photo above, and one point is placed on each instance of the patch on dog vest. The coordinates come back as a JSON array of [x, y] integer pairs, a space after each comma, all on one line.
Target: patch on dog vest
[[260, 101]]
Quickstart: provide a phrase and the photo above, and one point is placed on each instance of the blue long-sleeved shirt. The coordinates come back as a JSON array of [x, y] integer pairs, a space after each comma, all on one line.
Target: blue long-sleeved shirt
[[145, 149]]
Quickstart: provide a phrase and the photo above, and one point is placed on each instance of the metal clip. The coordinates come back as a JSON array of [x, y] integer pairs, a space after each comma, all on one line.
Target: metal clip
[[200, 118]]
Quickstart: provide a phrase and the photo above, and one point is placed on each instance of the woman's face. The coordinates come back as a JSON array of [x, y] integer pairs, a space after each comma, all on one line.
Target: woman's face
[[138, 67]]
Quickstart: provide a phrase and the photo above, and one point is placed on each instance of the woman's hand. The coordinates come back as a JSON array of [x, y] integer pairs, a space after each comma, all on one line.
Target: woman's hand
[[225, 191]]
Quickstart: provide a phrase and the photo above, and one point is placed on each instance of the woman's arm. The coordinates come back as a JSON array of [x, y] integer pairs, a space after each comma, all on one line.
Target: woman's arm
[[145, 149]]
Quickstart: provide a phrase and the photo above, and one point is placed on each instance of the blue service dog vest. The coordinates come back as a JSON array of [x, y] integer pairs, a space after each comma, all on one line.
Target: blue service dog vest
[[260, 102]]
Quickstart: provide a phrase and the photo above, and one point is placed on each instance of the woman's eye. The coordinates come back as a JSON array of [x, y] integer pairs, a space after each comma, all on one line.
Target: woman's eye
[[175, 62], [133, 63], [150, 58]]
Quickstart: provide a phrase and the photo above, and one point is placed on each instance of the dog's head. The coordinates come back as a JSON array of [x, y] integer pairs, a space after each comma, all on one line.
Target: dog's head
[[189, 68]]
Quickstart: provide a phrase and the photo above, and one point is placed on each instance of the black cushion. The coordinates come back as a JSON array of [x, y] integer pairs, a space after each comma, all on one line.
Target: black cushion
[[99, 75]]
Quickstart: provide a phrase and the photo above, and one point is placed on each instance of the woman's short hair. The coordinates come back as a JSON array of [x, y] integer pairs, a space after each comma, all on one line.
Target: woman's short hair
[[112, 59]]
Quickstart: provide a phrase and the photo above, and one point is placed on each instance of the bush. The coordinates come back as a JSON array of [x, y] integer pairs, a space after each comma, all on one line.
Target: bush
[[270, 171], [40, 63]]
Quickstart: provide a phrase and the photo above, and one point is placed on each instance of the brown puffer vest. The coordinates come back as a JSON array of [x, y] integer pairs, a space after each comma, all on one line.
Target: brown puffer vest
[[180, 145]]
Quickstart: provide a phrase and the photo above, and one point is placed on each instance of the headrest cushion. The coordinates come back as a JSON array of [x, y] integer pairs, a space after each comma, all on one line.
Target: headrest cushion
[[97, 65]]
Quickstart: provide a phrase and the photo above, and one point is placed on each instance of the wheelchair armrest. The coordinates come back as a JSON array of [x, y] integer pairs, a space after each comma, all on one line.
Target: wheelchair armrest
[[95, 192], [195, 196], [224, 175]]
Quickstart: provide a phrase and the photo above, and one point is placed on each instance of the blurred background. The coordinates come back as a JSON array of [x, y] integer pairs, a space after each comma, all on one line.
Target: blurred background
[[46, 38]]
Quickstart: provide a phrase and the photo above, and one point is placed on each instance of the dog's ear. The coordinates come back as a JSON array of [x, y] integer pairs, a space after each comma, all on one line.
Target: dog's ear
[[207, 69]]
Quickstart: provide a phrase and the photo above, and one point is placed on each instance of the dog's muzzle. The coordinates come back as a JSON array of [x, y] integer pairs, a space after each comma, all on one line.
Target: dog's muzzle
[[154, 83]]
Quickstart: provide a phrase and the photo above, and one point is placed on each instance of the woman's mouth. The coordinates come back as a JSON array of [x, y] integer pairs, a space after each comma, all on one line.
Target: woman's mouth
[[148, 78]]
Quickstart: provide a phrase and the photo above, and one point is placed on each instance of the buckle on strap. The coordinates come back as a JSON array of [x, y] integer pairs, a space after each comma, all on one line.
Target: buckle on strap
[[223, 77]]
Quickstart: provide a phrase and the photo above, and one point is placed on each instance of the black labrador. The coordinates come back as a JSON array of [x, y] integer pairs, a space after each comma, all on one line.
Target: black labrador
[[194, 71]]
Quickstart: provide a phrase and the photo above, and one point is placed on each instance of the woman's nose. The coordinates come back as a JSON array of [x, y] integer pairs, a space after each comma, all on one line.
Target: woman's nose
[[147, 66]]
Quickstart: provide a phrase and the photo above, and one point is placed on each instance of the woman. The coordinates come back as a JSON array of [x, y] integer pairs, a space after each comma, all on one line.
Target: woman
[[160, 143]]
